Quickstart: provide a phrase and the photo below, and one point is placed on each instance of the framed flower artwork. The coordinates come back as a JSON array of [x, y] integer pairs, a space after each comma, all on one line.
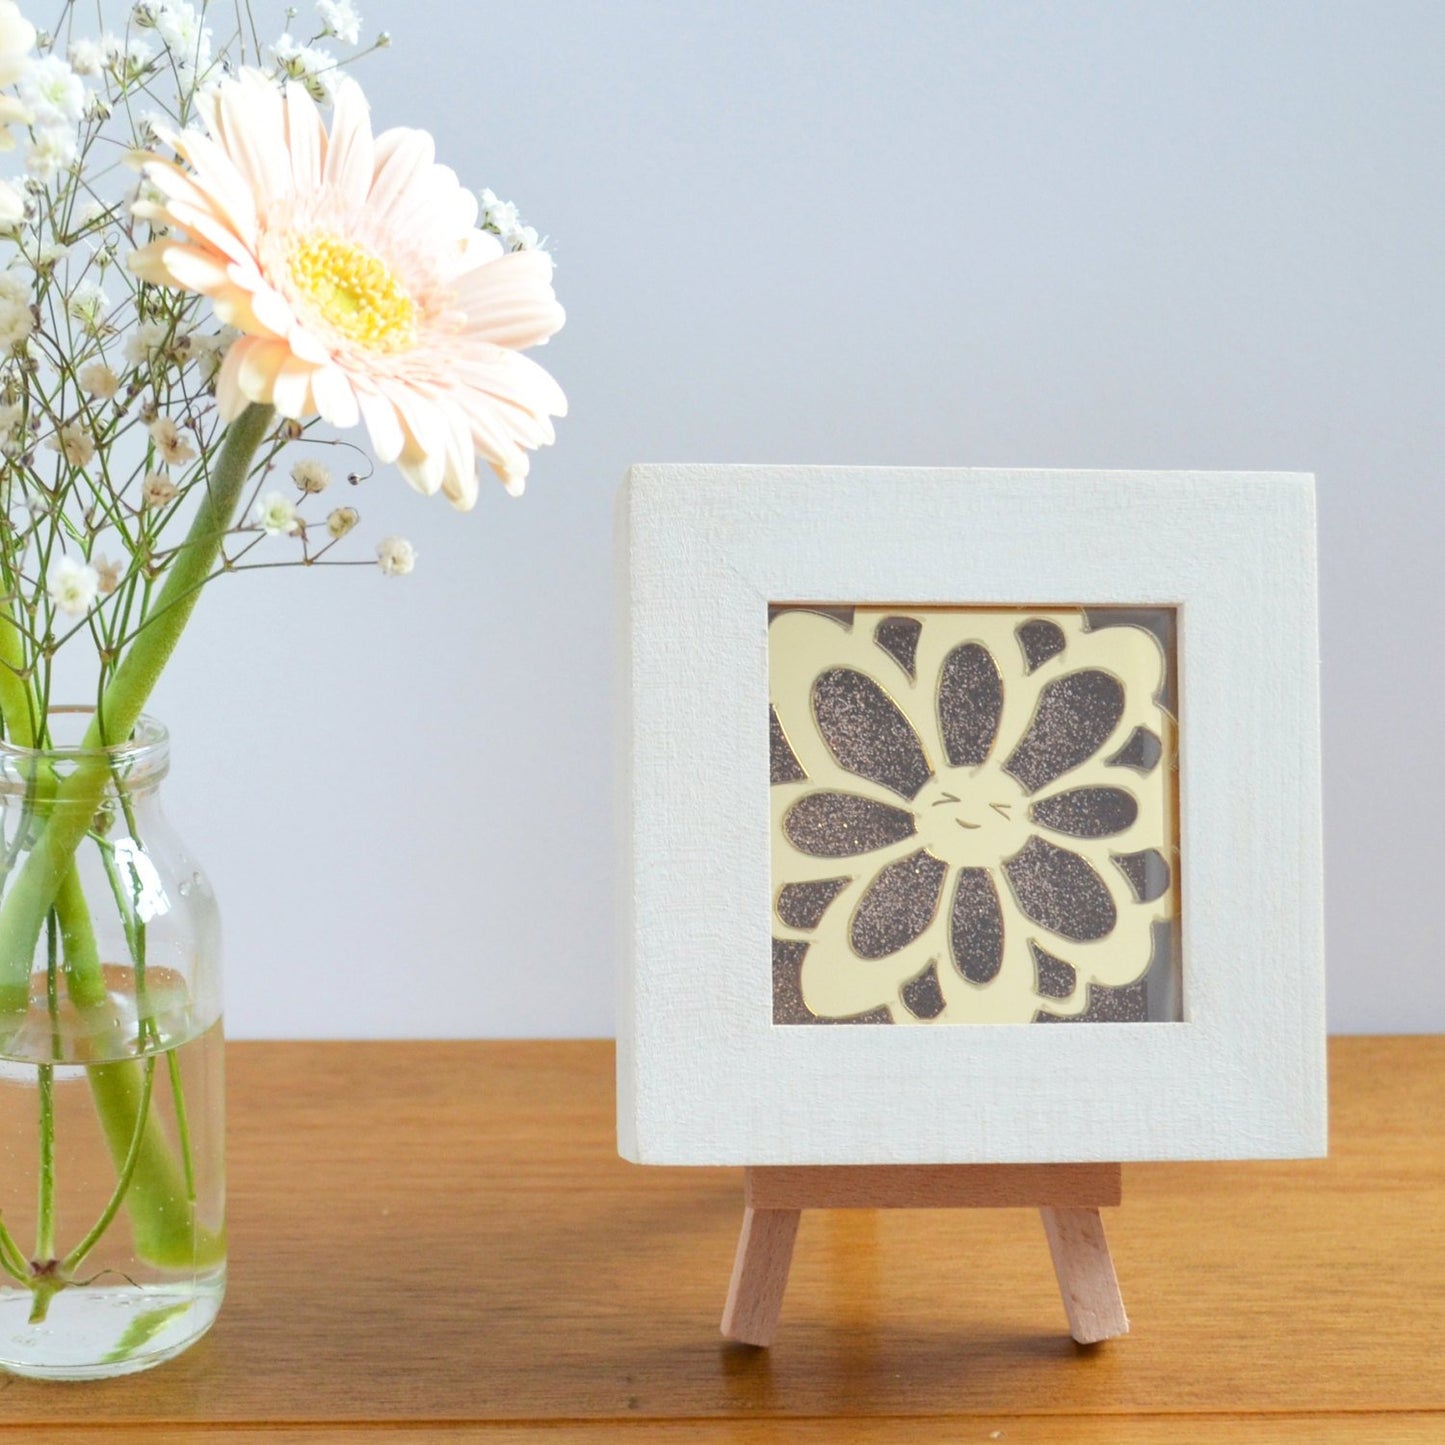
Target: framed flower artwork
[[916, 760]]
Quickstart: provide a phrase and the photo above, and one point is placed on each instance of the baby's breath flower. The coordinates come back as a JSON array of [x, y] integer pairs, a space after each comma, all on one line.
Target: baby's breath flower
[[12, 203], [99, 381], [498, 216], [16, 323], [169, 441], [502, 220], [107, 575], [74, 443], [15, 288], [52, 92], [341, 521], [157, 490], [88, 304], [275, 514], [148, 127], [72, 586], [87, 57], [143, 343], [12, 414], [313, 67], [310, 475], [50, 152], [185, 38], [339, 18], [126, 59], [395, 556]]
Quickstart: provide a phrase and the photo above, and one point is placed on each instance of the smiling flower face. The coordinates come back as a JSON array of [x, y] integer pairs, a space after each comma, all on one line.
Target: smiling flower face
[[972, 816]]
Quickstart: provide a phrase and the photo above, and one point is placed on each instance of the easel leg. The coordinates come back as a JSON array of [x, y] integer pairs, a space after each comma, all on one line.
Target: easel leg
[[1085, 1273], [760, 1275]]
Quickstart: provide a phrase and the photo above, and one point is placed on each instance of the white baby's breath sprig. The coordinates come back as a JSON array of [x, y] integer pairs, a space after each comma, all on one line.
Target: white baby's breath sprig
[[72, 586], [395, 556], [340, 19], [275, 514]]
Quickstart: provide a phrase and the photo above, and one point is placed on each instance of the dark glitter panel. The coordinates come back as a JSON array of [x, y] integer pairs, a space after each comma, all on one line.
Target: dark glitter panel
[[841, 825], [1147, 872], [1053, 978], [1141, 752], [897, 906], [1127, 1005], [970, 700], [783, 765], [922, 996], [1040, 641], [975, 926], [898, 637], [788, 1005], [1075, 716], [1087, 812], [866, 733], [1059, 891], [802, 905]]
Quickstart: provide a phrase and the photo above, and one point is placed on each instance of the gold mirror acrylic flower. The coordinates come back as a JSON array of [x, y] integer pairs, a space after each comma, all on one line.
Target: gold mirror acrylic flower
[[973, 815]]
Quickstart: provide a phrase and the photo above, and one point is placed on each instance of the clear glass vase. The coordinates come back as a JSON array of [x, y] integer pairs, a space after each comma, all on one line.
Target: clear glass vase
[[112, 1123]]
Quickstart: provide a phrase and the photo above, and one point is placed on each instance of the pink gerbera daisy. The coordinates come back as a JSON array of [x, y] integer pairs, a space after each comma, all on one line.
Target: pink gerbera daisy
[[354, 267]]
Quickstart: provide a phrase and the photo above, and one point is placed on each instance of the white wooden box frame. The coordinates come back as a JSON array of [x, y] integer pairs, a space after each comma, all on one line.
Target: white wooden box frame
[[704, 1075]]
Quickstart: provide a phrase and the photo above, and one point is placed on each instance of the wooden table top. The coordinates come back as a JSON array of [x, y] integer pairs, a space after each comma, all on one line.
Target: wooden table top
[[438, 1241]]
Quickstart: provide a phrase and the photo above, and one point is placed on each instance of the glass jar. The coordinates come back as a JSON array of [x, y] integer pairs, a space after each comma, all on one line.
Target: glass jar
[[112, 1122]]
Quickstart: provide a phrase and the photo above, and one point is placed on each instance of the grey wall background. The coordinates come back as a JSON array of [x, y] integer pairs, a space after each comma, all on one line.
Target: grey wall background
[[1088, 234]]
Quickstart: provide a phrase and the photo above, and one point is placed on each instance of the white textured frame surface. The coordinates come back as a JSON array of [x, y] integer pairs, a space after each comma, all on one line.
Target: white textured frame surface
[[705, 1077]]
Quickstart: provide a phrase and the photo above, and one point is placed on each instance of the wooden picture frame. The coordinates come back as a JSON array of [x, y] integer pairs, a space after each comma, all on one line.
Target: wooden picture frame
[[705, 1073]]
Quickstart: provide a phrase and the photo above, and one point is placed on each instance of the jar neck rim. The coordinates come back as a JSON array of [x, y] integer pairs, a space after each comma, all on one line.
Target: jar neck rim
[[144, 754]]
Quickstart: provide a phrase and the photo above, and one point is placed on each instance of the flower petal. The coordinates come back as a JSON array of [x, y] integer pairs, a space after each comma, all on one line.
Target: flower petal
[[867, 732], [510, 301], [897, 906], [970, 702], [1059, 891], [1075, 715], [975, 926], [842, 825]]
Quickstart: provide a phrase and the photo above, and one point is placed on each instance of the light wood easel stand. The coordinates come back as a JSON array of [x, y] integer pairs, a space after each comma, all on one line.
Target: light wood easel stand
[[1068, 1196]]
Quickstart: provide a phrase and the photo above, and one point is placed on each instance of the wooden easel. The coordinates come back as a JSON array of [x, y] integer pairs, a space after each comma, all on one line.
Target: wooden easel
[[1067, 1196]]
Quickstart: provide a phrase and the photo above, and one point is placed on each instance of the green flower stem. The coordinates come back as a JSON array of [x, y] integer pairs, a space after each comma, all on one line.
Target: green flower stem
[[183, 1124], [77, 798], [15, 696], [156, 1195], [127, 1172]]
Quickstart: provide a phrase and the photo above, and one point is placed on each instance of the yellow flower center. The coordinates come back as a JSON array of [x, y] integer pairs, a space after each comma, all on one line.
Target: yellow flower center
[[354, 292]]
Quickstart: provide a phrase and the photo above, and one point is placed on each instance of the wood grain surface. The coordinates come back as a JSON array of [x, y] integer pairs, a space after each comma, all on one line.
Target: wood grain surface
[[437, 1242]]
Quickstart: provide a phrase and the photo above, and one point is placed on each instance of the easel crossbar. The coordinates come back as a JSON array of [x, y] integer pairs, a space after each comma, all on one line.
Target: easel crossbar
[[941, 1186]]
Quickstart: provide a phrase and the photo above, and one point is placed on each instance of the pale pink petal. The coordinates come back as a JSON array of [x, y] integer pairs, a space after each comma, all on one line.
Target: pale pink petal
[[382, 425], [254, 133], [259, 368], [335, 399], [403, 160], [291, 393], [231, 401], [190, 267], [221, 179], [306, 139], [350, 157], [512, 377], [510, 301]]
